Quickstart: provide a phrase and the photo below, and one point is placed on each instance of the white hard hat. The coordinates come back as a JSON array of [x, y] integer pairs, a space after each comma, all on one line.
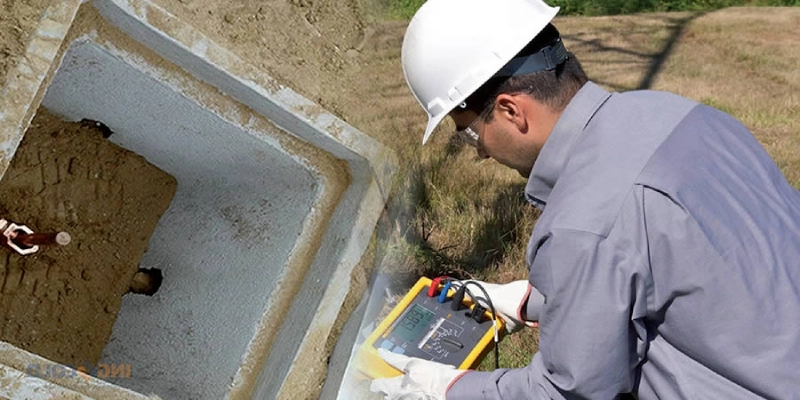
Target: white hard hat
[[452, 47]]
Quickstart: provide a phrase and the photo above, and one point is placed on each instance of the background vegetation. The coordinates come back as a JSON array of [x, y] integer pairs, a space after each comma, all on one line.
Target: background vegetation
[[405, 9]]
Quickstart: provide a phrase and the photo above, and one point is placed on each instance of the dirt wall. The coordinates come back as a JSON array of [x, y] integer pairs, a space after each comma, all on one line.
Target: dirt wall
[[61, 302]]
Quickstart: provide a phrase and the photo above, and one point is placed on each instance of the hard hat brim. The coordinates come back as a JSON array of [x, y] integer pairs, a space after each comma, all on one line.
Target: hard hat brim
[[433, 122]]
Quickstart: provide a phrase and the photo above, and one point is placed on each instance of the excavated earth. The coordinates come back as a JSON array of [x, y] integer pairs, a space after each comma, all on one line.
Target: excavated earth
[[61, 302]]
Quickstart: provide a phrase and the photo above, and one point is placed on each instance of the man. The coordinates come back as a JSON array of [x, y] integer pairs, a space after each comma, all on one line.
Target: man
[[668, 250]]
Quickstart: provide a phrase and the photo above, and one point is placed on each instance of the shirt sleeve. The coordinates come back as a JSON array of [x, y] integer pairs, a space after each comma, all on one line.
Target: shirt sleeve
[[591, 334]]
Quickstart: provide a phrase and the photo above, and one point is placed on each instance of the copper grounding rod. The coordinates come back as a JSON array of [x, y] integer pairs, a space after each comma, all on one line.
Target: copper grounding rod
[[38, 239]]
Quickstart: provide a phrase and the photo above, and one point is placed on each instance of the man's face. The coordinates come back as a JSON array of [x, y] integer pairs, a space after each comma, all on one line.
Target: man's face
[[500, 138]]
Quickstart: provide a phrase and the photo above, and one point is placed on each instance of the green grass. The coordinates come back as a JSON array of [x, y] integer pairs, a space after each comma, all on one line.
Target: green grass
[[405, 9], [616, 7]]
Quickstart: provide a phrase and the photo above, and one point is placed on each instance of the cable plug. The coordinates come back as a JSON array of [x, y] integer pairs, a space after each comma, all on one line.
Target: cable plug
[[445, 290], [434, 286], [477, 313], [458, 298]]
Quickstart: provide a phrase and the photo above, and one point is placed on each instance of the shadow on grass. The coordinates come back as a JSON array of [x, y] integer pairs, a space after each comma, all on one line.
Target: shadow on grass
[[495, 230], [676, 31], [654, 60], [503, 228]]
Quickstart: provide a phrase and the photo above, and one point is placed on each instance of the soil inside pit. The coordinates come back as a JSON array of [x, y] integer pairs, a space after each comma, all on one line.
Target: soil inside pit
[[62, 302], [18, 18]]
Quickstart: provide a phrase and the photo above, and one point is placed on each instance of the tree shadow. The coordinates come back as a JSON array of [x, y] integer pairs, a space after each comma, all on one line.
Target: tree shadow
[[660, 58], [495, 232], [498, 233], [655, 61]]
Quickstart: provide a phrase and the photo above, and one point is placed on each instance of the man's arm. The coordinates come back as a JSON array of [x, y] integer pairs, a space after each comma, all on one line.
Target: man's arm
[[591, 331]]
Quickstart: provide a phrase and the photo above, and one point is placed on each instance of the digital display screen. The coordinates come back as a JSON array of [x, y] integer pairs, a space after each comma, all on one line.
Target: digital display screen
[[414, 324]]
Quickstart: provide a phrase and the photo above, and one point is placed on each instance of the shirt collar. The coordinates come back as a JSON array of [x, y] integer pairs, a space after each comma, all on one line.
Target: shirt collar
[[553, 156]]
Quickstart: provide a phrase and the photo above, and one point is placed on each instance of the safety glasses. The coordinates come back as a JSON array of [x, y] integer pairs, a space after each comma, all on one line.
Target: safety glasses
[[468, 134]]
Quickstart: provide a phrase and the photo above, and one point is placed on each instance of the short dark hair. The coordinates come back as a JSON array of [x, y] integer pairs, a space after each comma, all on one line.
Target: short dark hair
[[554, 88]]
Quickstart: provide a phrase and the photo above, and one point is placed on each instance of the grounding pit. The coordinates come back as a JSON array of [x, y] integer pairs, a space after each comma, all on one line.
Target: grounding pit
[[61, 302], [275, 204], [239, 207]]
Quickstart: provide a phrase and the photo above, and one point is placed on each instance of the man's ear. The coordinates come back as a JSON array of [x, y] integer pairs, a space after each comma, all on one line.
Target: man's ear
[[510, 108]]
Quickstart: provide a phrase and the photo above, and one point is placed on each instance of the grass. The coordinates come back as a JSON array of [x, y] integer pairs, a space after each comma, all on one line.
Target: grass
[[405, 9], [453, 213]]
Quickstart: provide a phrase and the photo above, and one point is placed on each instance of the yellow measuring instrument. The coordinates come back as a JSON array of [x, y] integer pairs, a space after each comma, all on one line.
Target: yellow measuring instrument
[[429, 323]]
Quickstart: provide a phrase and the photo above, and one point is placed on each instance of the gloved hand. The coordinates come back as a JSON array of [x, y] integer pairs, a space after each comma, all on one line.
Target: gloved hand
[[508, 300], [423, 379]]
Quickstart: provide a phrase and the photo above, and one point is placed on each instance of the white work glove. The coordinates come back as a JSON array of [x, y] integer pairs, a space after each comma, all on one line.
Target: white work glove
[[508, 300], [422, 379]]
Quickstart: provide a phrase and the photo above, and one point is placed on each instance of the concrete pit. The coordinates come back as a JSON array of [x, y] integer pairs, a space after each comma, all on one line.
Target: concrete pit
[[274, 205]]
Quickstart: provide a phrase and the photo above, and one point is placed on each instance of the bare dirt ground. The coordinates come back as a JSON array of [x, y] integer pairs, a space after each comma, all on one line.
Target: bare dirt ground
[[329, 51], [61, 302], [17, 19]]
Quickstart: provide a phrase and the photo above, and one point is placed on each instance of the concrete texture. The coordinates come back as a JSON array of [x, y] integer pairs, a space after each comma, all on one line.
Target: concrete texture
[[15, 383], [276, 203], [24, 375]]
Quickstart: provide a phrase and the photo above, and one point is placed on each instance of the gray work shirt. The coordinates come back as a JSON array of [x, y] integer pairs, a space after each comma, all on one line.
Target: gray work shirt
[[669, 256]]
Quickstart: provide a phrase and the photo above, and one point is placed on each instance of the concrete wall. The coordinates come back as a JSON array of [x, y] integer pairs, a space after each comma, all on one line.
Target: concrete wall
[[276, 203]]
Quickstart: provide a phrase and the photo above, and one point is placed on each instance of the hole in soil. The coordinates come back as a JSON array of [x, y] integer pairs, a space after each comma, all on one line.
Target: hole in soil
[[146, 281]]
